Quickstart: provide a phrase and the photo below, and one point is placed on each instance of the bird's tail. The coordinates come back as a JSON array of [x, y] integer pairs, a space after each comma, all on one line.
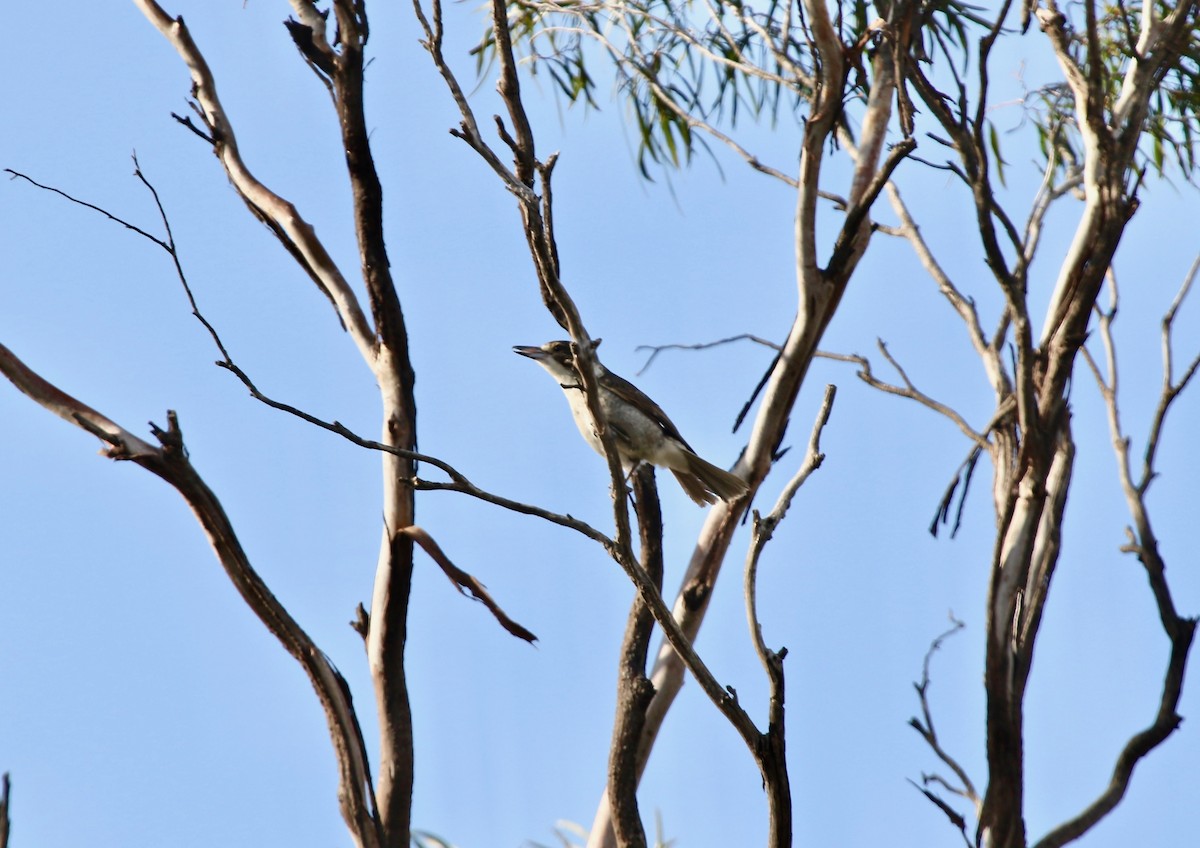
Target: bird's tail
[[704, 482]]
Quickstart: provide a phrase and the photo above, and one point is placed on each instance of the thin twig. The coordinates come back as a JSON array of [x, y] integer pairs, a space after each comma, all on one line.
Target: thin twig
[[764, 526], [908, 390], [1143, 543], [924, 725], [92, 206], [655, 350], [1170, 389], [295, 234]]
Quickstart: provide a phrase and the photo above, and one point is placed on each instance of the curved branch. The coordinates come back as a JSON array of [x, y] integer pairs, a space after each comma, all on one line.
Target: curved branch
[[908, 390], [464, 582], [170, 462], [772, 753], [1144, 544], [280, 216], [924, 725]]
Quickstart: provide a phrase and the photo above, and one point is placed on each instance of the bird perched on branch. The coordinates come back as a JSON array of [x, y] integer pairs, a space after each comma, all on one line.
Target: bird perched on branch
[[641, 430]]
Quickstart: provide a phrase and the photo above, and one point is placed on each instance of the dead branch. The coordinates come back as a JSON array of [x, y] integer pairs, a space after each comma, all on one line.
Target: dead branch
[[908, 390], [464, 582], [953, 816], [924, 725], [1143, 543], [772, 758], [964, 306], [1170, 388], [468, 130], [655, 350], [280, 216], [458, 481], [93, 207], [962, 474], [170, 462]]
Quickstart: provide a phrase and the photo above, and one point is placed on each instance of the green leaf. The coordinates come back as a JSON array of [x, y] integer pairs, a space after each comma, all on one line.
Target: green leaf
[[994, 143]]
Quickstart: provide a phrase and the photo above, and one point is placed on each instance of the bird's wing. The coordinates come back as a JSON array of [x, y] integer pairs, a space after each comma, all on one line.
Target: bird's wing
[[630, 393]]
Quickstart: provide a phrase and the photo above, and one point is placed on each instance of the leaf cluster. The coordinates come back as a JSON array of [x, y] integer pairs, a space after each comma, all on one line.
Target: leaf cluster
[[678, 65], [684, 67], [1173, 122]]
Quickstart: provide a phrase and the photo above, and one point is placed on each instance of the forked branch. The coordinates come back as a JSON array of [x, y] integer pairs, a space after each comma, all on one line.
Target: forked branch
[[908, 390], [538, 233], [924, 726], [458, 481], [280, 216], [772, 751], [169, 461], [1144, 545]]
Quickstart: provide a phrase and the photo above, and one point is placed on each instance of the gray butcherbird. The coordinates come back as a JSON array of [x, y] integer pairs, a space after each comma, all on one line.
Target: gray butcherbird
[[640, 428]]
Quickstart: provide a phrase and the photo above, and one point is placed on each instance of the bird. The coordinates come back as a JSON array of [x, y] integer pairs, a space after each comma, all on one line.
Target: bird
[[641, 430]]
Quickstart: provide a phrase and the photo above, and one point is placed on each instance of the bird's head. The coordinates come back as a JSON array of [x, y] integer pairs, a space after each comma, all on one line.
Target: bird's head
[[557, 357]]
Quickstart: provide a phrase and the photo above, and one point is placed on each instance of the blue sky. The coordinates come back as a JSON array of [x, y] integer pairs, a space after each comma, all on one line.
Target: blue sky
[[144, 705]]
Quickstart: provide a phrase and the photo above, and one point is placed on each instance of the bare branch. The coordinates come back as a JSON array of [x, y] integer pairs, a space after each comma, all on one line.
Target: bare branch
[[167, 244], [772, 754], [849, 235], [1143, 543], [1139, 745], [464, 582], [170, 462], [296, 234], [655, 350], [459, 481], [908, 390], [924, 725], [509, 87], [764, 527], [1170, 389], [954, 817], [1046, 195], [93, 207], [964, 306], [468, 130], [121, 443]]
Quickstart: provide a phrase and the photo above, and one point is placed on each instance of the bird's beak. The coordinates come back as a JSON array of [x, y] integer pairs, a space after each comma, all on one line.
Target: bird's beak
[[532, 352]]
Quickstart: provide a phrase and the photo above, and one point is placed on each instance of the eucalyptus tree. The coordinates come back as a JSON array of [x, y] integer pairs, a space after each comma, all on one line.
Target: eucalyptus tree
[[862, 93]]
